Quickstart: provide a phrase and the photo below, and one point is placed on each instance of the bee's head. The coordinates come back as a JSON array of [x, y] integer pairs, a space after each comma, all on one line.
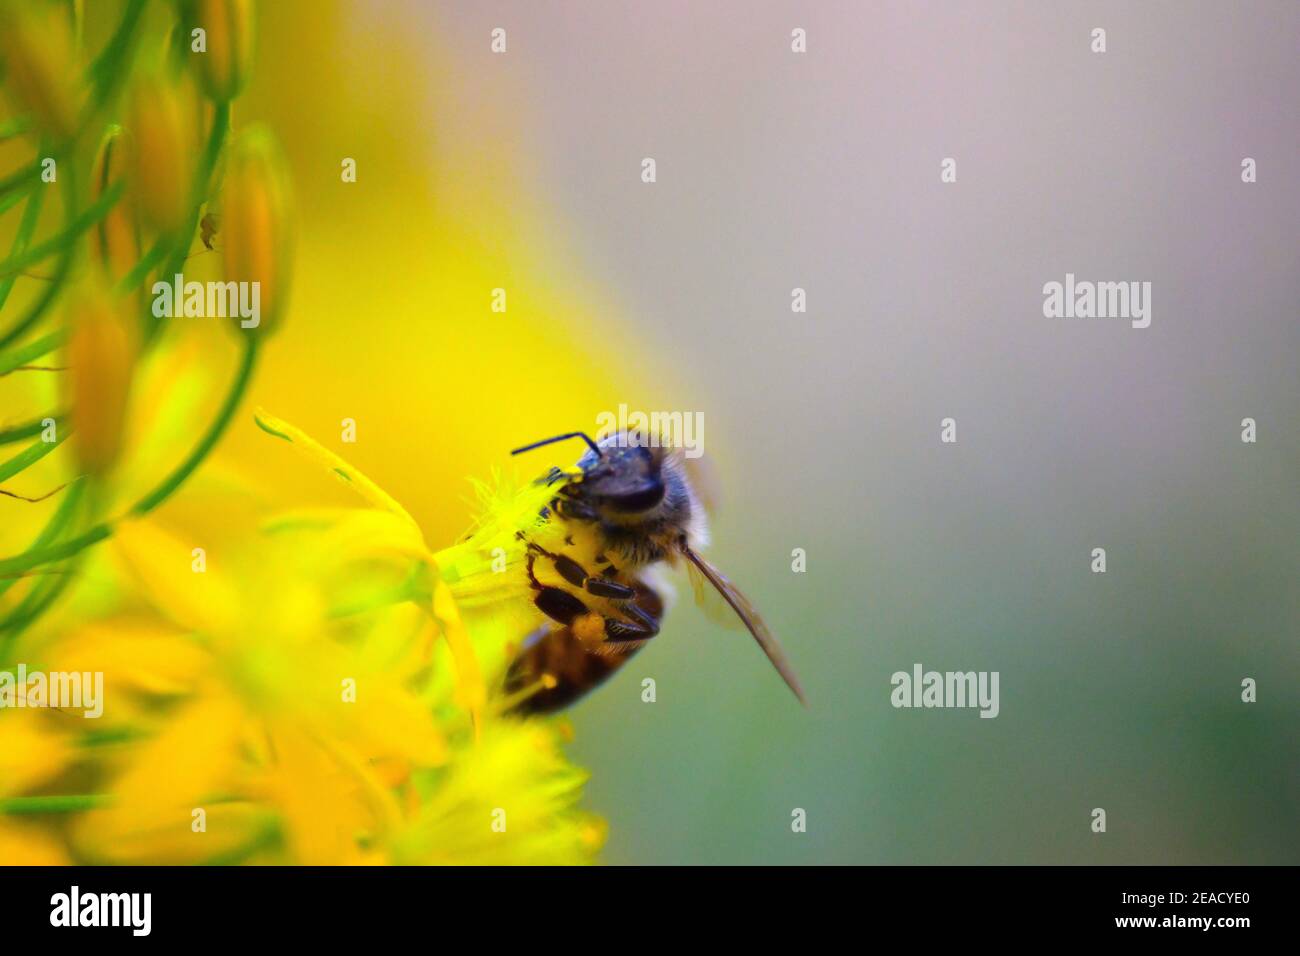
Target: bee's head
[[622, 476]]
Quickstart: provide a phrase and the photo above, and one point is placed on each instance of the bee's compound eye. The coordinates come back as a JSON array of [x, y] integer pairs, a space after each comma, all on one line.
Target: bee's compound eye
[[642, 499]]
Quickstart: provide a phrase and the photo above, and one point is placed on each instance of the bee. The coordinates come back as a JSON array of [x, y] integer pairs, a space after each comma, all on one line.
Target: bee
[[627, 509]]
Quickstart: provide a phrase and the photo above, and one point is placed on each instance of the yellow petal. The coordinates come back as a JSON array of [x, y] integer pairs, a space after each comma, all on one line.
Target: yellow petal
[[25, 845], [32, 750], [330, 462], [164, 566]]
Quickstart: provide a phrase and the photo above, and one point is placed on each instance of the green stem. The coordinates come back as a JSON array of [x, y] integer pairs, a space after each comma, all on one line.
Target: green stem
[[65, 549], [37, 601], [30, 351], [8, 202], [95, 212], [218, 427], [53, 528], [61, 272], [108, 71], [105, 64], [28, 429], [59, 803], [142, 268], [31, 455], [14, 127], [24, 178], [37, 308], [109, 736], [31, 214]]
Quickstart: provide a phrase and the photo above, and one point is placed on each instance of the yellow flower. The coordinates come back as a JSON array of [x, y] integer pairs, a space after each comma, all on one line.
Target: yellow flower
[[228, 26], [36, 63], [162, 153], [101, 357], [35, 750], [284, 735], [257, 222], [116, 239], [29, 846], [510, 800], [307, 696]]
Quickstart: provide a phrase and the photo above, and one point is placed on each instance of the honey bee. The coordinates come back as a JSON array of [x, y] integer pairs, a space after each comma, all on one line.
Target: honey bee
[[627, 509]]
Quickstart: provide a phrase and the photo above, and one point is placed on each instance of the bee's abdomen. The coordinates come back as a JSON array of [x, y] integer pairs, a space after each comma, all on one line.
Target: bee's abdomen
[[556, 667], [571, 667]]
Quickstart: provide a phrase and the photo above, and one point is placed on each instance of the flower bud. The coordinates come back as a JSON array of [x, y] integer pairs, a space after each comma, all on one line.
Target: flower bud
[[228, 27], [162, 154], [100, 358], [115, 239], [257, 222], [38, 66]]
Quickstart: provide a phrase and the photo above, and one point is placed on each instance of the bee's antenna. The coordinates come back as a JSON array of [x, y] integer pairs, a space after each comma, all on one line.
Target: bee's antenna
[[550, 441]]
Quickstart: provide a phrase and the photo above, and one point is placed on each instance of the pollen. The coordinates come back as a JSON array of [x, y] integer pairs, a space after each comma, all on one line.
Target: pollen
[[590, 628]]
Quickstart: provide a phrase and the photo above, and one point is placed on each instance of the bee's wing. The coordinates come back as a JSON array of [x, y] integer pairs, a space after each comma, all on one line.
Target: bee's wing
[[702, 571], [711, 601]]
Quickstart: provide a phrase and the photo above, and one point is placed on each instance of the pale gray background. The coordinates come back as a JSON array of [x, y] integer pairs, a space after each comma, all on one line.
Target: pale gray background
[[822, 171]]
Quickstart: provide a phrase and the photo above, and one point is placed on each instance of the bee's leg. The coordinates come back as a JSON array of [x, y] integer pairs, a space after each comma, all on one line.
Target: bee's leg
[[532, 578], [640, 626], [570, 508], [559, 605], [574, 573], [604, 587]]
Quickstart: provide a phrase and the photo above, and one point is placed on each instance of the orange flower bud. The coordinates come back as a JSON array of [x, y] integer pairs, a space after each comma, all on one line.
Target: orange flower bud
[[100, 357], [38, 66], [162, 154], [257, 222], [228, 36], [115, 240]]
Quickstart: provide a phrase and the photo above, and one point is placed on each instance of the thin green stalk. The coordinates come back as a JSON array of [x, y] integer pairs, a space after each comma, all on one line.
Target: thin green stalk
[[168, 486], [35, 557], [39, 599], [30, 351], [95, 212], [143, 267], [14, 127], [38, 308], [106, 63], [31, 455], [8, 202], [65, 549], [55, 285], [56, 803], [26, 228], [35, 603], [108, 71], [27, 429], [53, 528], [109, 736], [23, 178]]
